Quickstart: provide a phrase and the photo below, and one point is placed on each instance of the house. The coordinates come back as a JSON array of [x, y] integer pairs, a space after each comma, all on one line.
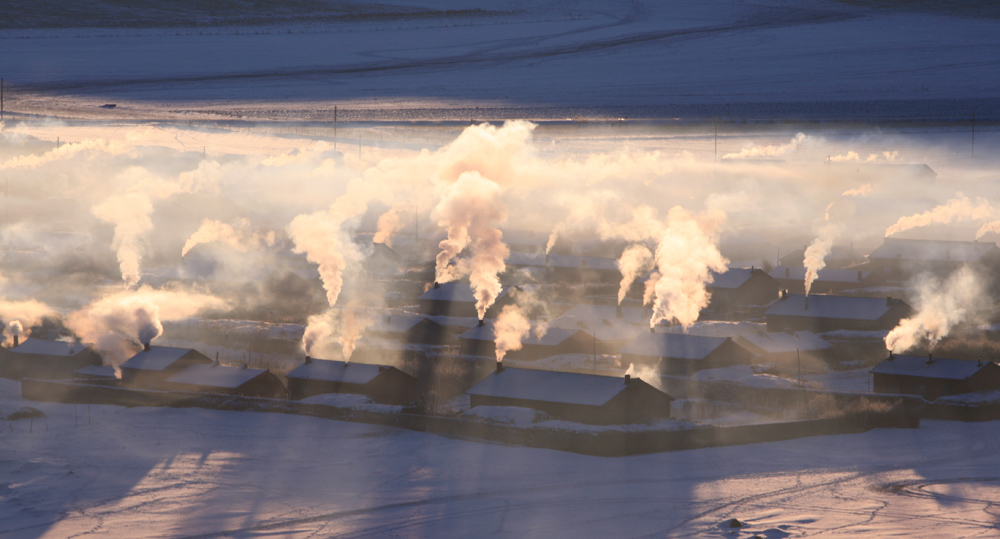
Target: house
[[819, 313], [380, 383], [828, 281], [614, 326], [47, 360], [458, 299], [789, 352], [215, 378], [565, 268], [408, 328], [932, 377], [480, 341], [680, 354], [96, 372], [739, 288], [583, 398], [381, 261], [154, 364], [839, 257], [897, 259]]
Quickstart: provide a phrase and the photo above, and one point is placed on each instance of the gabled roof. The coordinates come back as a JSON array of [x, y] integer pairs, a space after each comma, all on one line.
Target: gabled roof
[[97, 371], [551, 386], [942, 368], [329, 370], [595, 315], [454, 292], [552, 337], [932, 250], [215, 376], [826, 274], [534, 238], [397, 323], [562, 261], [49, 348], [607, 329], [156, 358], [782, 342], [672, 345], [839, 307]]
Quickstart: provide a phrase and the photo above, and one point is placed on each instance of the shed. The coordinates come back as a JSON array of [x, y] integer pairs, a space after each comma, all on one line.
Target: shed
[[739, 288], [381, 383], [583, 398], [457, 299], [898, 258], [47, 360], [215, 378], [408, 328], [154, 364], [819, 313], [480, 341], [790, 352], [828, 281], [681, 354], [614, 327], [932, 377]]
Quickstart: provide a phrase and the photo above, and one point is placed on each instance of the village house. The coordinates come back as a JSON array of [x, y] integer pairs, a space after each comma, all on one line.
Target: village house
[[789, 352], [47, 360], [408, 328], [680, 354], [820, 313], [381, 383], [828, 281], [458, 300], [565, 268], [582, 398], [480, 341], [612, 326], [898, 259], [154, 364], [215, 378], [737, 289], [931, 377]]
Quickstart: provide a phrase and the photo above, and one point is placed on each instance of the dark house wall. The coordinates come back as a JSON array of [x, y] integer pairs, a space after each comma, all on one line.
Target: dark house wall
[[146, 379], [725, 355], [267, 385], [888, 321], [931, 388], [759, 289], [44, 367], [393, 386], [634, 404]]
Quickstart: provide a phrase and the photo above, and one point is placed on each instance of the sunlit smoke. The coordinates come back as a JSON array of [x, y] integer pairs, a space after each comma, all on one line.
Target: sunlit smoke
[[554, 237], [644, 224], [471, 212], [814, 258], [510, 330], [685, 256], [647, 374], [849, 156], [861, 191], [940, 306], [649, 290], [992, 226], [131, 215], [388, 224], [767, 151], [343, 326], [635, 261], [21, 316], [960, 208], [241, 237]]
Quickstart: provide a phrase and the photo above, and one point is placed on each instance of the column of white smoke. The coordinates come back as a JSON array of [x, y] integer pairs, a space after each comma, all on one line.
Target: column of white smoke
[[130, 213], [814, 258], [960, 208], [861, 191], [240, 237], [684, 258], [345, 326], [471, 211], [510, 330], [635, 261], [767, 151], [21, 316], [940, 306], [992, 226], [388, 224]]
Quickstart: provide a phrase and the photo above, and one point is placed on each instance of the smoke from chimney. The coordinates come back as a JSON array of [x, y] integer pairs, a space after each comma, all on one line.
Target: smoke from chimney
[[960, 208], [940, 306], [635, 261], [815, 255], [241, 237], [510, 330]]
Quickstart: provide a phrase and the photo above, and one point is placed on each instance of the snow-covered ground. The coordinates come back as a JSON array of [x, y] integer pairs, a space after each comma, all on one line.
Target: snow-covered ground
[[107, 471]]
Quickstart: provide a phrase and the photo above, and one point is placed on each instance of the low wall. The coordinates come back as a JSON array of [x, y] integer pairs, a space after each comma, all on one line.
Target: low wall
[[590, 442]]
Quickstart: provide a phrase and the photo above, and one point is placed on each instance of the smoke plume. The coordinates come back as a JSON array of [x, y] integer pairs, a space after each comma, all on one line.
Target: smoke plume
[[863, 190], [815, 255], [960, 208], [130, 213], [509, 330], [21, 316], [685, 256], [471, 211], [344, 326], [767, 151], [992, 226], [940, 306], [635, 261], [240, 237], [388, 224]]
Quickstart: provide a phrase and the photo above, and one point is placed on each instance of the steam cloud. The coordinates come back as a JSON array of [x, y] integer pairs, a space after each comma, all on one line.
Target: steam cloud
[[863, 190], [960, 208], [815, 256], [241, 237], [130, 213], [21, 316], [345, 326], [767, 151], [941, 305], [510, 330], [635, 261]]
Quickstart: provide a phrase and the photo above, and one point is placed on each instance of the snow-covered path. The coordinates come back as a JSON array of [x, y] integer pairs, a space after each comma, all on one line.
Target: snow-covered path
[[199, 473]]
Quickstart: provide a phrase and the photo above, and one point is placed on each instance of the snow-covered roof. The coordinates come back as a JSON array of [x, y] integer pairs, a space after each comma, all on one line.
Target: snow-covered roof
[[596, 314], [944, 368], [607, 329], [550, 386], [329, 370], [49, 348], [562, 261], [732, 278], [215, 376], [839, 307], [101, 371], [782, 342], [395, 323], [454, 292], [932, 250], [156, 358], [552, 337], [826, 274], [672, 345]]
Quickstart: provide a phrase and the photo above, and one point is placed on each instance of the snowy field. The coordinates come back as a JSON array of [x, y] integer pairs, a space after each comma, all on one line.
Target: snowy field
[[144, 472], [449, 60]]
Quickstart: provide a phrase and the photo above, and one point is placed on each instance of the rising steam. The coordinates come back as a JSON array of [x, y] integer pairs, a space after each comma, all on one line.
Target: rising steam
[[767, 151], [241, 237], [815, 255], [130, 213], [960, 208], [635, 261], [940, 306], [21, 316], [510, 330], [344, 326], [861, 191]]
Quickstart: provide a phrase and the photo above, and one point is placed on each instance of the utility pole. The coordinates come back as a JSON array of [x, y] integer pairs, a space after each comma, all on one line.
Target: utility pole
[[1, 99], [716, 140], [334, 128], [973, 132]]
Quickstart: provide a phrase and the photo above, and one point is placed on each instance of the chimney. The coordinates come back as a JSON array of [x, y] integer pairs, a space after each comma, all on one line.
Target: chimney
[[788, 272], [652, 329], [784, 294], [891, 355], [482, 323], [499, 366], [436, 285], [807, 303], [618, 312], [888, 301], [930, 359], [546, 259], [388, 318], [16, 340], [243, 366], [628, 379], [308, 360], [145, 347]]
